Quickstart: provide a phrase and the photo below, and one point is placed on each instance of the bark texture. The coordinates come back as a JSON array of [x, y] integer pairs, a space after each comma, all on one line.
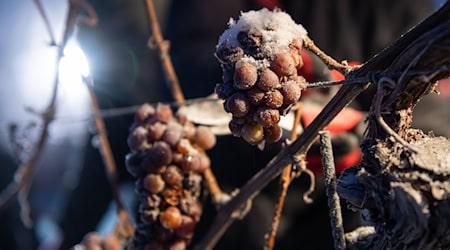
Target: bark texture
[[404, 177]]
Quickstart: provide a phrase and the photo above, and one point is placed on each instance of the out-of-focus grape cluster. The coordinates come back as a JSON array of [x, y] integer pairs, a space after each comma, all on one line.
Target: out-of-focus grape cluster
[[167, 158], [94, 241], [260, 58]]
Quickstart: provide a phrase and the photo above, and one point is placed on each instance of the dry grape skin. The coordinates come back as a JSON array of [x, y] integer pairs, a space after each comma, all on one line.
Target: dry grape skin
[[245, 75], [267, 43], [273, 99], [268, 80], [267, 116], [238, 105], [255, 96], [291, 92]]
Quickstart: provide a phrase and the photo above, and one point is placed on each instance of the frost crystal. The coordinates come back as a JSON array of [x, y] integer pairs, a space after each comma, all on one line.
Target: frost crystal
[[277, 30]]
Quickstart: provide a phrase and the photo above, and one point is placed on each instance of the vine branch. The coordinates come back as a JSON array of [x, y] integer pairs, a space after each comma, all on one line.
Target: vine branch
[[285, 181]]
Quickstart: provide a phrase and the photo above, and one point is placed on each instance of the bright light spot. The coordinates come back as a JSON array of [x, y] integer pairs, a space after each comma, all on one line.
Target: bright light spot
[[72, 91], [73, 66]]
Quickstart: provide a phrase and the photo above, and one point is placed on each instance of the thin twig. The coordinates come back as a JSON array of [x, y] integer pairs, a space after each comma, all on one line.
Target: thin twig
[[328, 60], [107, 155], [46, 22], [376, 75], [285, 180], [312, 183], [113, 112], [25, 173], [163, 48], [337, 228]]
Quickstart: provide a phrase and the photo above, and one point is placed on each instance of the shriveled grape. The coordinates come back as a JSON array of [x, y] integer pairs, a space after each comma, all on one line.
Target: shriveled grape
[[155, 131], [204, 138], [273, 133], [283, 64], [255, 96], [159, 155], [291, 92], [163, 113], [191, 162], [173, 176], [137, 140], [224, 90], [173, 134], [245, 75], [154, 183], [273, 99], [267, 116], [268, 80], [253, 133], [238, 105], [144, 112]]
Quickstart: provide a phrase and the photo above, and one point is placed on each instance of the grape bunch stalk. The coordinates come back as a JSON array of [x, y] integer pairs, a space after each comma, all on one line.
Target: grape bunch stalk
[[260, 59], [168, 158]]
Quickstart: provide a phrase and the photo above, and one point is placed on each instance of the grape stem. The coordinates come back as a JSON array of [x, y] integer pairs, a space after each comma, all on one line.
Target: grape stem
[[162, 46], [379, 63], [110, 164], [331, 63]]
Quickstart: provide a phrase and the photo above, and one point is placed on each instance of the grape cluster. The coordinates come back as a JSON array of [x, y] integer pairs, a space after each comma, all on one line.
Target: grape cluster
[[260, 73], [167, 157], [94, 241]]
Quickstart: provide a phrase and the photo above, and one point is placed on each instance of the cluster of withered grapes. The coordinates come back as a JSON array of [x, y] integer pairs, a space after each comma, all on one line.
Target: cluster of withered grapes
[[168, 158], [94, 241], [258, 87]]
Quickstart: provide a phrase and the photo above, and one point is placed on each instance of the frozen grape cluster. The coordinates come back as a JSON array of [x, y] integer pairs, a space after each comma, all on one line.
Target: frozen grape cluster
[[260, 59], [168, 158]]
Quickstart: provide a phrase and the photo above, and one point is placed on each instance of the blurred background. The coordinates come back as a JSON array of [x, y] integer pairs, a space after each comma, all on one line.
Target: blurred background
[[70, 195]]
